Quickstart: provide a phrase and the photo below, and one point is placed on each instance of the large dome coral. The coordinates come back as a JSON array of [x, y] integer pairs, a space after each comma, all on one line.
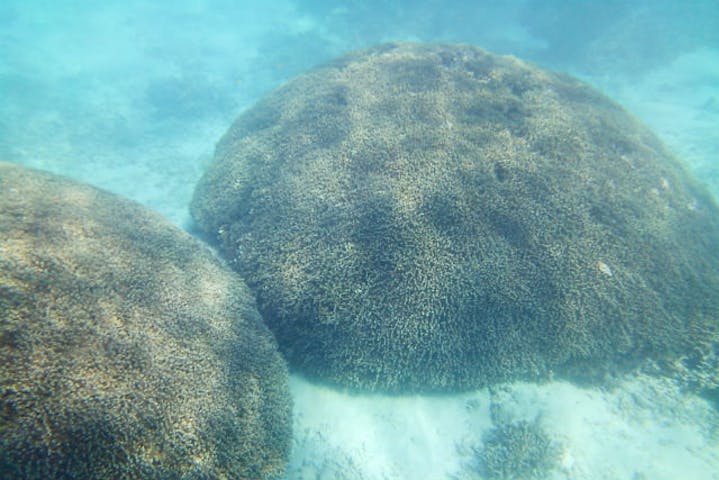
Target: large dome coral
[[434, 217], [126, 349]]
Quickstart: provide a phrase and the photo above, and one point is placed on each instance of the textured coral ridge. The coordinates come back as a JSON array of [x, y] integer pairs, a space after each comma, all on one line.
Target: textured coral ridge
[[434, 217], [126, 349]]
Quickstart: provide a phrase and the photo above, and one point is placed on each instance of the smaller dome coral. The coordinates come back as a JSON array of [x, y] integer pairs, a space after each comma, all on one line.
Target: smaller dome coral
[[126, 349], [418, 217]]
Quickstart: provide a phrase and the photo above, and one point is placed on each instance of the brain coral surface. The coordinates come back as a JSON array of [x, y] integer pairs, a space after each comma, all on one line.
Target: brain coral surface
[[435, 217], [126, 349]]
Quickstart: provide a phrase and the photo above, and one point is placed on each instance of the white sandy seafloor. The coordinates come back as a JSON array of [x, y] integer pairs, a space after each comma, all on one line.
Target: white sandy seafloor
[[643, 428], [91, 119]]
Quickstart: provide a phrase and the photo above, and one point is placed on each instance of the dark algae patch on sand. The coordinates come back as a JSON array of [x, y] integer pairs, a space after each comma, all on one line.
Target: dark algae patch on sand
[[437, 218]]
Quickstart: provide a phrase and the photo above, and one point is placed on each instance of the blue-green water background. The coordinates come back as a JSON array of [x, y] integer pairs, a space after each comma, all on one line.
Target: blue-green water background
[[131, 95]]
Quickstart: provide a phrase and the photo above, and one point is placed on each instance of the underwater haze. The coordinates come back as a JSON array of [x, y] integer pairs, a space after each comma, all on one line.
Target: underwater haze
[[132, 97]]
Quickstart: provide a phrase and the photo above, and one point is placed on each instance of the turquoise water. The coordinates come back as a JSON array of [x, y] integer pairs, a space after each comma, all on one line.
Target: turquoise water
[[132, 96], [104, 92]]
